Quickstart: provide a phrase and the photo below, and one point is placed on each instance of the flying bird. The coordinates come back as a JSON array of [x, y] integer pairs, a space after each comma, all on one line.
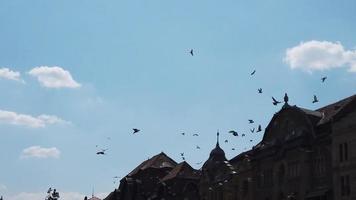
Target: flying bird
[[198, 147], [183, 133], [102, 152], [315, 100], [251, 140], [259, 129], [183, 158], [181, 154], [254, 71], [323, 79], [251, 121], [234, 133], [233, 149], [135, 130], [191, 52], [259, 90], [275, 102], [226, 141], [243, 135], [195, 134], [252, 130]]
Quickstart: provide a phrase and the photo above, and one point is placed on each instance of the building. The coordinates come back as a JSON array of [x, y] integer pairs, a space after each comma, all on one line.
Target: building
[[304, 155]]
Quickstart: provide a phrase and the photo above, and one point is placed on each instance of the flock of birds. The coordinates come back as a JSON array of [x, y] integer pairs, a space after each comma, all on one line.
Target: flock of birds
[[234, 133]]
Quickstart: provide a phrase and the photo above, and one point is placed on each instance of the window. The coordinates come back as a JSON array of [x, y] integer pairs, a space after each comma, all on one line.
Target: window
[[343, 152], [345, 185]]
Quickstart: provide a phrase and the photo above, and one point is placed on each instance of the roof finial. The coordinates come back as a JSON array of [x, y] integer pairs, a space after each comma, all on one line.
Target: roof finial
[[92, 194], [286, 98], [217, 138]]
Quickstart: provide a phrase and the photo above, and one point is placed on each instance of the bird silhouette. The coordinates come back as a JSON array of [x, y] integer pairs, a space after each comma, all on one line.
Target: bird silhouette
[[286, 98], [251, 121], [195, 134], [275, 102], [183, 158], [183, 133], [233, 149], [251, 140], [254, 71], [191, 52], [181, 154], [135, 130], [243, 135], [252, 130], [259, 129], [315, 99], [259, 90], [234, 133], [198, 147], [323, 79], [102, 152], [226, 141], [198, 163]]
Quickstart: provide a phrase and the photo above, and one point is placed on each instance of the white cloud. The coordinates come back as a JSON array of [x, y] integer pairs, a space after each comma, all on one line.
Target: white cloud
[[6, 73], [54, 77], [320, 55], [40, 152], [63, 195], [14, 118]]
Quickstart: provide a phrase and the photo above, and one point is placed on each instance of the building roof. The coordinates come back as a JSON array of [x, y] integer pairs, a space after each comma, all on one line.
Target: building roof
[[332, 110], [182, 170], [160, 160], [94, 198]]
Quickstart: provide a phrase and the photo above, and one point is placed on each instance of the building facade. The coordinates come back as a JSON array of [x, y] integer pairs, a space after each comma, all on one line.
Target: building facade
[[304, 155]]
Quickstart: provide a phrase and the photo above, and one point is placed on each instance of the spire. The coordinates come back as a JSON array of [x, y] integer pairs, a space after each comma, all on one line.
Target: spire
[[217, 138]]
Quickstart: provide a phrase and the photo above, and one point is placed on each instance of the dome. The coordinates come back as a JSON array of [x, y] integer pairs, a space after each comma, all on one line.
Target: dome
[[217, 151]]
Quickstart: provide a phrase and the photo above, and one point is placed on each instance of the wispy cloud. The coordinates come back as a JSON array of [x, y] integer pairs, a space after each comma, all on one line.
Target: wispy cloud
[[40, 152], [54, 77], [40, 121], [320, 55], [6, 73]]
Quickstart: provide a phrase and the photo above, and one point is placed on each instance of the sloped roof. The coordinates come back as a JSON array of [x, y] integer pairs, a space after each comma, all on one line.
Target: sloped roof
[[160, 160], [331, 110], [182, 170], [94, 198]]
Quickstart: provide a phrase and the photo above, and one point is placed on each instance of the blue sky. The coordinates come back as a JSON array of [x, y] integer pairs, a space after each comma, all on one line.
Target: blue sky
[[128, 66]]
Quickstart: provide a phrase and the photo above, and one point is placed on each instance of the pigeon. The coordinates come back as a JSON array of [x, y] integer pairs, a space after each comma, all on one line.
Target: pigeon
[[234, 133], [275, 102], [198, 147], [286, 98], [315, 100], [323, 79], [135, 130], [102, 152], [259, 90], [226, 141], [259, 129], [252, 130], [254, 71], [195, 134], [251, 121], [191, 52]]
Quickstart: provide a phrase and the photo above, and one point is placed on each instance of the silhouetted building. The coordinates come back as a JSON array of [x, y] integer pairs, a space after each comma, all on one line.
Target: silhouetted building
[[304, 155]]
